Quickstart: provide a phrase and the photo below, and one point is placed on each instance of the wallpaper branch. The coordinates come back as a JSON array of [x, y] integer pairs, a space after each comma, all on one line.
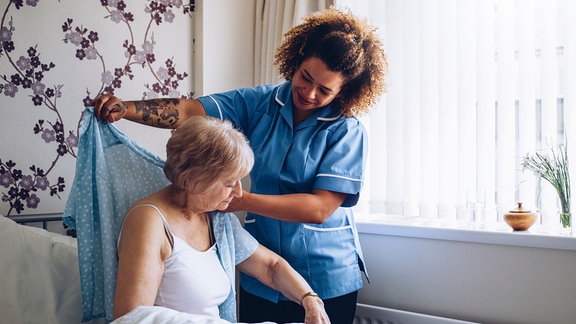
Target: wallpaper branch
[[48, 76]]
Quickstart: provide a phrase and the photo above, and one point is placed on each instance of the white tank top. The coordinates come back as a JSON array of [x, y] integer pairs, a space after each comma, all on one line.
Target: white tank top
[[193, 282]]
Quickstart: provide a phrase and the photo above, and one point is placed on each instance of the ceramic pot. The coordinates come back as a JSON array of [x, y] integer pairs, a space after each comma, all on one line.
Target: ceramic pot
[[520, 219]]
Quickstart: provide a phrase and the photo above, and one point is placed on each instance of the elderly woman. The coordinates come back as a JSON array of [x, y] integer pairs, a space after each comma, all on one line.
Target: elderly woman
[[177, 251]]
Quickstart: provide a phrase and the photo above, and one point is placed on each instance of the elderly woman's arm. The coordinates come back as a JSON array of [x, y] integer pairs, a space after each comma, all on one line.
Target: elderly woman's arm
[[141, 252], [272, 270]]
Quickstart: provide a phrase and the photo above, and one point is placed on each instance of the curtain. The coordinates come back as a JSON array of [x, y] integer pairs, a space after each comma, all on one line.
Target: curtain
[[473, 85], [273, 19]]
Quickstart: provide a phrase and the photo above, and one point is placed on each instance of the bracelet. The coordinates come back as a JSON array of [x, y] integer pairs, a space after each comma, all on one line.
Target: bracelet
[[308, 294]]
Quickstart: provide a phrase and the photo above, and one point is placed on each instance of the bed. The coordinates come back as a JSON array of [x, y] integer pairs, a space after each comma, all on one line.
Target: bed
[[41, 281], [40, 278]]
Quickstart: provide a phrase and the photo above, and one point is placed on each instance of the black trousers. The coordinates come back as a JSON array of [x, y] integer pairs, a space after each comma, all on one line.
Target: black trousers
[[254, 309]]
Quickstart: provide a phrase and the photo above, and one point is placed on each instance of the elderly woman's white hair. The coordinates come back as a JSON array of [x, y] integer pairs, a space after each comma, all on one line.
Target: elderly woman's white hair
[[204, 150]]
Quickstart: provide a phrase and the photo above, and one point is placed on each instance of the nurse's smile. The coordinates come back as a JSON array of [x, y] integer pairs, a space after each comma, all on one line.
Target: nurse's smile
[[314, 85]]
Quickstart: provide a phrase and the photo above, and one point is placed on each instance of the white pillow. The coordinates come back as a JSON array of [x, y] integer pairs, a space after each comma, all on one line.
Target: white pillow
[[40, 278]]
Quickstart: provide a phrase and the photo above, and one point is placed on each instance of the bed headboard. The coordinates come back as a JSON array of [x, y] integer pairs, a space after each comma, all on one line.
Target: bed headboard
[[50, 222], [43, 218]]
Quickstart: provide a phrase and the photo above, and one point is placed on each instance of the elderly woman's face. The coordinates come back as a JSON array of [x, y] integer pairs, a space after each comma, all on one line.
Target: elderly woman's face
[[221, 194]]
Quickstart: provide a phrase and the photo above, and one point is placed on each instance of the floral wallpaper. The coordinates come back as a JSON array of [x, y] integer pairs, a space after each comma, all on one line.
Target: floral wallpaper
[[55, 58]]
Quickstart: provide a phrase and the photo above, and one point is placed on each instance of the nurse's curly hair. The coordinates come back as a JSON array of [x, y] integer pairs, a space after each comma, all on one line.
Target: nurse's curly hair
[[346, 45]]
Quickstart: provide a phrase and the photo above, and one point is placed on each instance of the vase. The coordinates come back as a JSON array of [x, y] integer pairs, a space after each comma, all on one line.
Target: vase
[[566, 222]]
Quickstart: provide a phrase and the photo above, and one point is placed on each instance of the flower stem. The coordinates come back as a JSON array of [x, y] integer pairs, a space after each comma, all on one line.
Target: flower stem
[[566, 219]]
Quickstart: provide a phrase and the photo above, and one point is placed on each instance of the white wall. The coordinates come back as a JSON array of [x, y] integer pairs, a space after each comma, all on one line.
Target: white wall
[[224, 45], [479, 282]]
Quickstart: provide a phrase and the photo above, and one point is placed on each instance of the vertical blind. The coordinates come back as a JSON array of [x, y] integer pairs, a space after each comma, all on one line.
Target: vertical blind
[[473, 86]]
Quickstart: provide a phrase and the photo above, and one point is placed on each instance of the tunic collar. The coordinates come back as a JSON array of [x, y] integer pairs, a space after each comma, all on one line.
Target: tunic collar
[[284, 98]]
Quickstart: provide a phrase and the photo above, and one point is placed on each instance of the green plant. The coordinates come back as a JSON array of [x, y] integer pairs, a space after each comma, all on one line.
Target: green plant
[[553, 169]]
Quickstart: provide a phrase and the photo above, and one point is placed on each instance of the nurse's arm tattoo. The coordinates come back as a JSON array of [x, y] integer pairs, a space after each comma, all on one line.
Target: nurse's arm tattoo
[[160, 113]]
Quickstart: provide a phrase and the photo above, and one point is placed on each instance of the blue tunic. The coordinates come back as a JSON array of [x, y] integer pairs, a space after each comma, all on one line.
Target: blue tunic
[[326, 151]]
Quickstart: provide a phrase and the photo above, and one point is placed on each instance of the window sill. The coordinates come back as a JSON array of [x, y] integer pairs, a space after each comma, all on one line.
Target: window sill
[[538, 236]]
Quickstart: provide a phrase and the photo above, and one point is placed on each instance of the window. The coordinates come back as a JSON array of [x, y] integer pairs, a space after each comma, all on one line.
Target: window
[[472, 87]]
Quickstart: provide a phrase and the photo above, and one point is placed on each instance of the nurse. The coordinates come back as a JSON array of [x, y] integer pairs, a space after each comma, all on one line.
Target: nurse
[[310, 153]]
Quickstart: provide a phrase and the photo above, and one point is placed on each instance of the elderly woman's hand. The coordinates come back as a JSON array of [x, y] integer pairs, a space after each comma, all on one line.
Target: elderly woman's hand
[[315, 312]]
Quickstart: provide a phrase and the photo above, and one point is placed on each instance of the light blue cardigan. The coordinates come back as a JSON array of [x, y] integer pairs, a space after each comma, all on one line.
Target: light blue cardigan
[[112, 173]]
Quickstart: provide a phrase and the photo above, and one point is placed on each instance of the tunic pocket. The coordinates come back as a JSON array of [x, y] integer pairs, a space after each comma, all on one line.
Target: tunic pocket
[[333, 260], [330, 247]]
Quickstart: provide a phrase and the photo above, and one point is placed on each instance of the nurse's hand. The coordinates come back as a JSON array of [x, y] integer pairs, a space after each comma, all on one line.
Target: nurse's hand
[[237, 203], [108, 108], [315, 312]]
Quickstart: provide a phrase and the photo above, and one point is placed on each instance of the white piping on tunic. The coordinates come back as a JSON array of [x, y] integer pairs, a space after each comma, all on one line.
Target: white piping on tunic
[[217, 106], [319, 118], [329, 118], [338, 176], [327, 229], [278, 98]]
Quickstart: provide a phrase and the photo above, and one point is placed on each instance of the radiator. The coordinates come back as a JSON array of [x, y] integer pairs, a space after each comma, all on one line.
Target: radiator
[[368, 314]]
